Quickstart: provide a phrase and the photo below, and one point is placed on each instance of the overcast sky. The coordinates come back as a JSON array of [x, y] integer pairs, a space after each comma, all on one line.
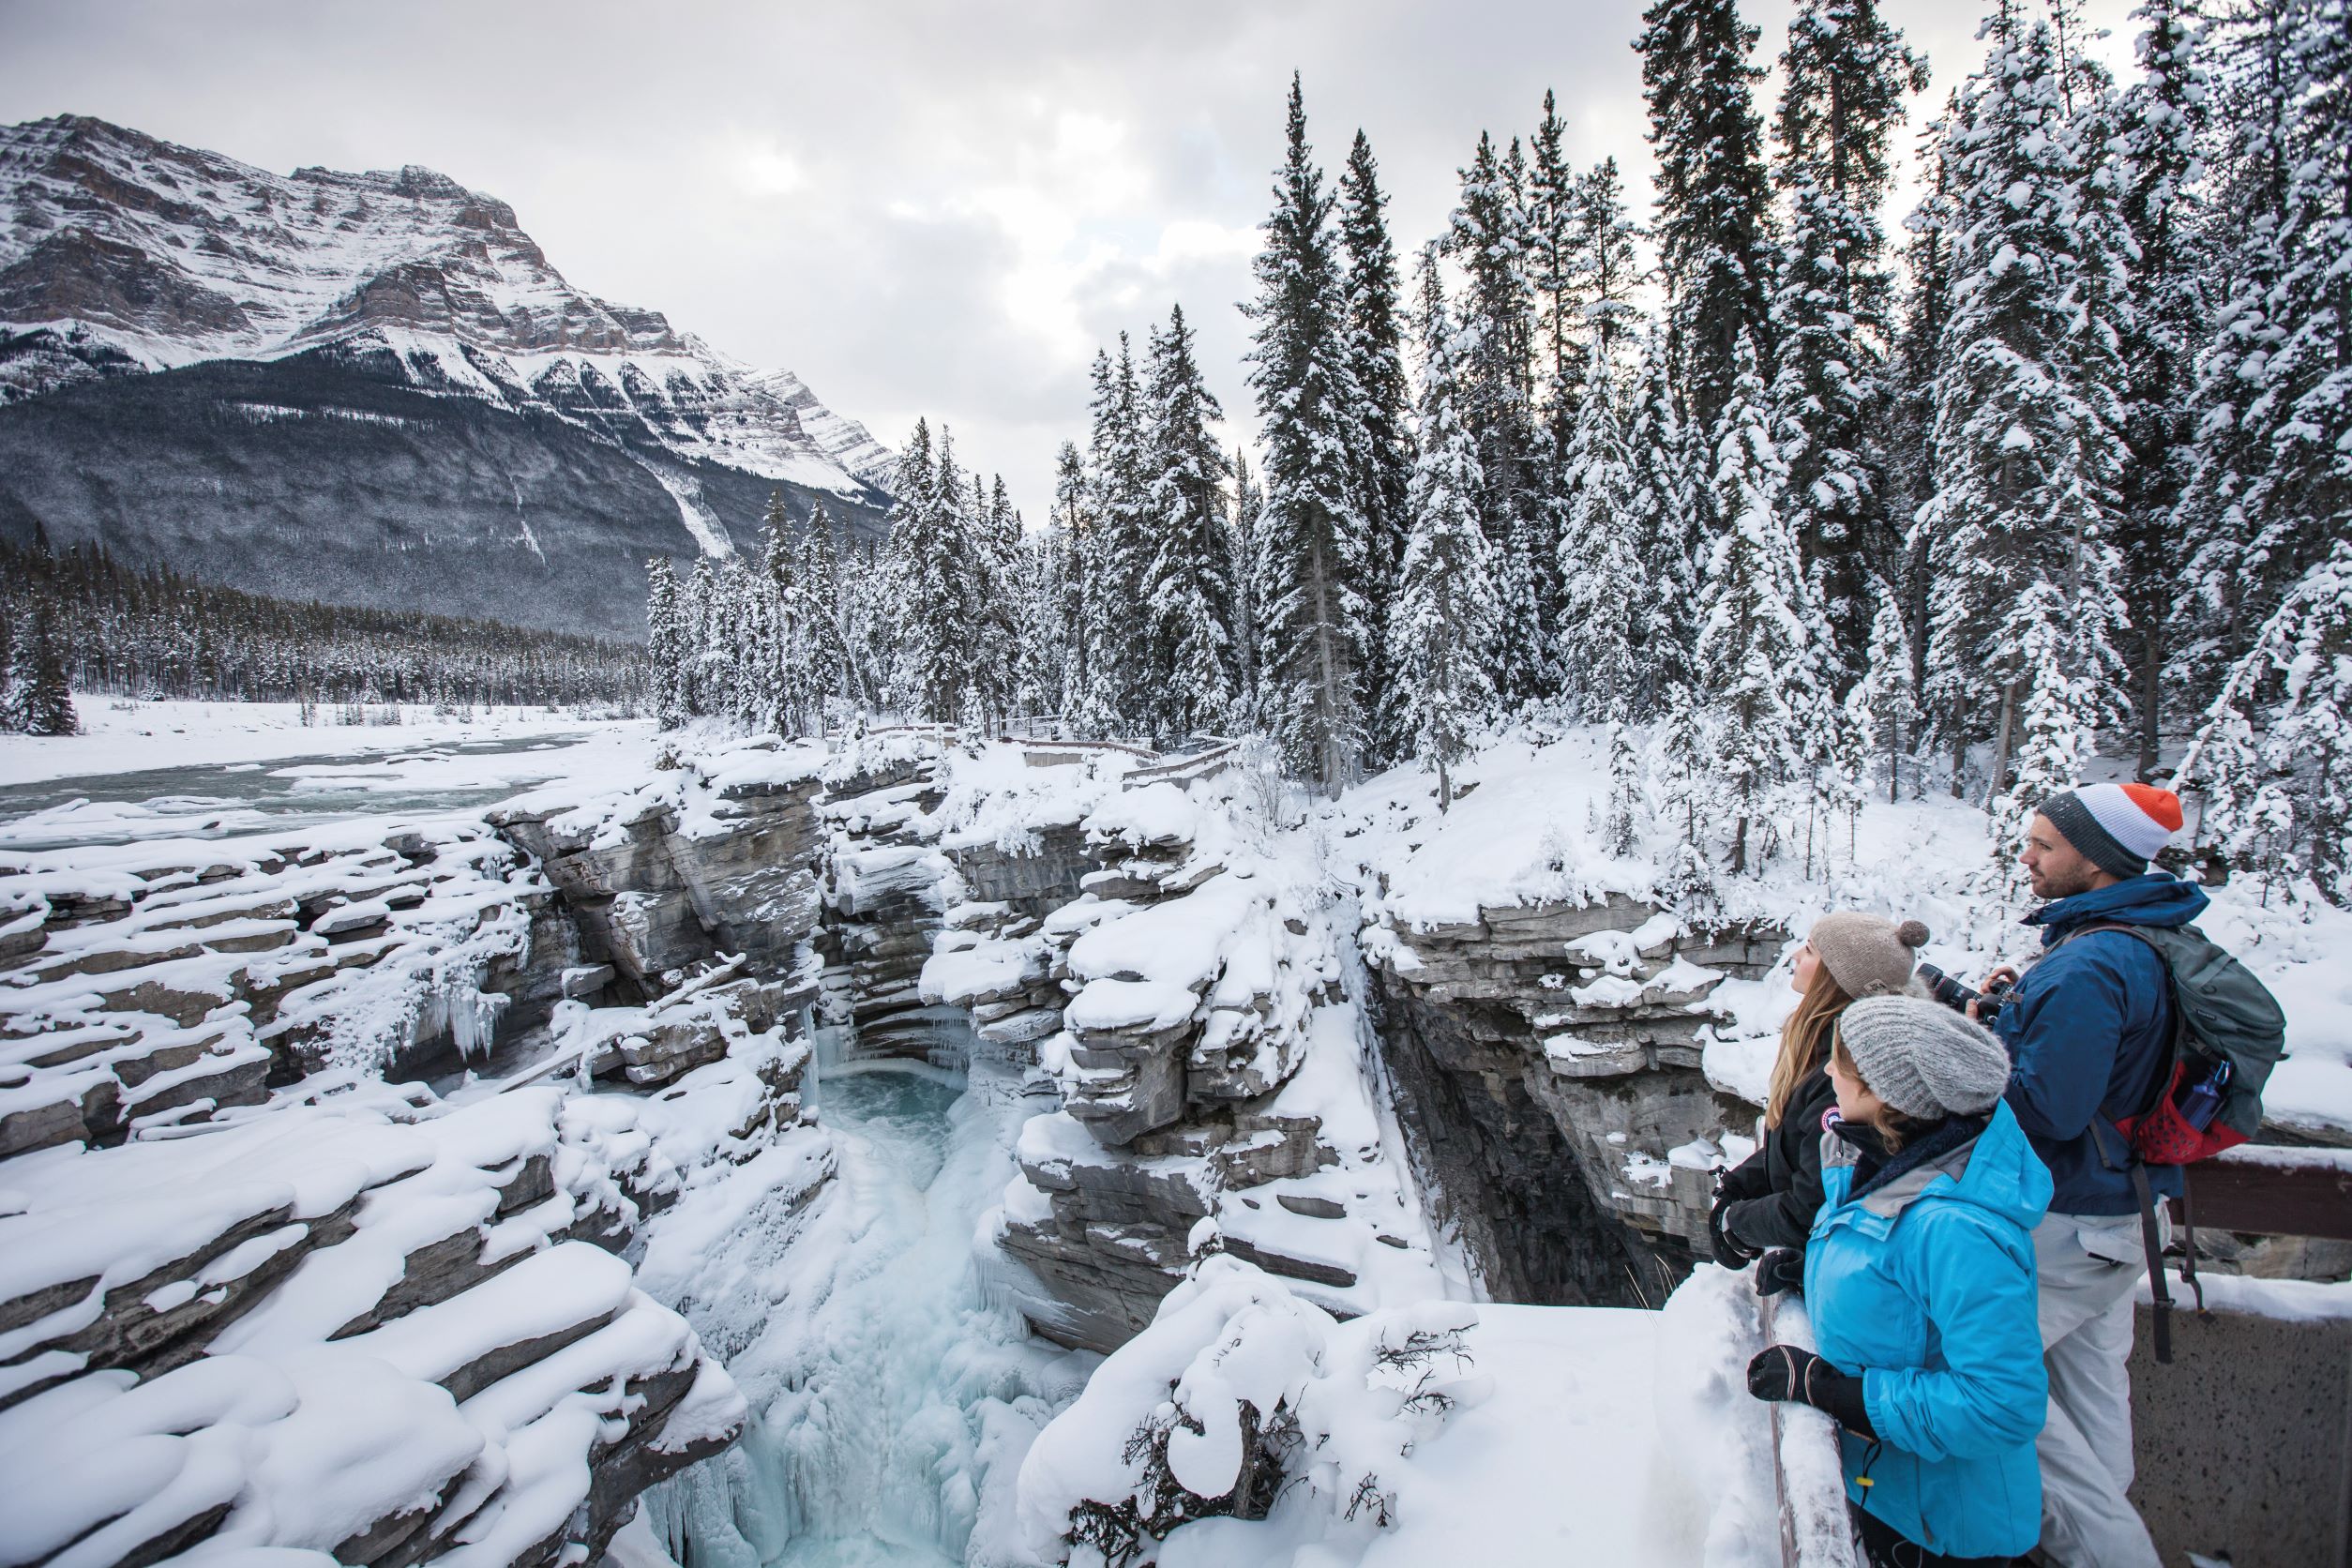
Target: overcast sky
[[923, 207]]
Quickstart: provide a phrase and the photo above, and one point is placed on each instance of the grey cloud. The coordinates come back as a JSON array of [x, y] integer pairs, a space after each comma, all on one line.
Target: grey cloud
[[912, 267]]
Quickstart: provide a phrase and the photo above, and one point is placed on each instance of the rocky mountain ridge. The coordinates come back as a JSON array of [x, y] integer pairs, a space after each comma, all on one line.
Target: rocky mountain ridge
[[369, 388]]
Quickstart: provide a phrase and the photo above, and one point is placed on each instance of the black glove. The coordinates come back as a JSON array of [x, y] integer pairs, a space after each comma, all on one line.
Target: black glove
[[1781, 1372], [1732, 1252], [1783, 1269]]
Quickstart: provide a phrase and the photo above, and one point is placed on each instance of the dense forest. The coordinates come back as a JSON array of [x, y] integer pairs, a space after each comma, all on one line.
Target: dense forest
[[1804, 510], [78, 620]]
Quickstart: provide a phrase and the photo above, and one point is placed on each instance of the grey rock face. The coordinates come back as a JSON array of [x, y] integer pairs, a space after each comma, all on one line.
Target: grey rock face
[[1548, 1058]]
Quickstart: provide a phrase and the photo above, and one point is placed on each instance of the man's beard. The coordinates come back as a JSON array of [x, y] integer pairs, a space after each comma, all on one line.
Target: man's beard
[[2053, 885]]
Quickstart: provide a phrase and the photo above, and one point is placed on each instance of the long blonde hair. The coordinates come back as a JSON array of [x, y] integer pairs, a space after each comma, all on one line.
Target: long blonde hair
[[1804, 1040]]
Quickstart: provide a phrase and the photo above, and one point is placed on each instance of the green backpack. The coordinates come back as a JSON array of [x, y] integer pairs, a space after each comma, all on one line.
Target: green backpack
[[2227, 1033]]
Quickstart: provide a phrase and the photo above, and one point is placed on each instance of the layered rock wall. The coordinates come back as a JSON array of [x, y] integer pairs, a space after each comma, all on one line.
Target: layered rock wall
[[384, 1321], [1548, 1058]]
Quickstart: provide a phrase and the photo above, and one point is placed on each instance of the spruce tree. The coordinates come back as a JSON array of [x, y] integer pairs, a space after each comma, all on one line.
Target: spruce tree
[[1245, 531], [1557, 273], [1604, 587], [1609, 268], [2163, 116], [1120, 631], [667, 646], [836, 675], [47, 700], [1882, 710], [1714, 198], [1311, 602], [1845, 71], [1755, 650], [1385, 459], [710, 669], [1187, 589], [929, 670], [2278, 800], [2025, 598], [1487, 237], [2273, 490], [1668, 486], [1073, 524], [1445, 622]]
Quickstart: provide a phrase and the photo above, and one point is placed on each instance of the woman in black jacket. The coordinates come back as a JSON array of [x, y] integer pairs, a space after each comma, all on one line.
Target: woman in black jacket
[[1766, 1203]]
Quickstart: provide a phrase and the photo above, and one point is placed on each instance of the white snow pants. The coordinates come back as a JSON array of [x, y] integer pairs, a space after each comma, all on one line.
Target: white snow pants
[[2086, 1266]]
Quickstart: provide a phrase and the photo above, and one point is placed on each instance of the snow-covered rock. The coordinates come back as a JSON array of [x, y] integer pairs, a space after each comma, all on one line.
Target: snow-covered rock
[[253, 1295]]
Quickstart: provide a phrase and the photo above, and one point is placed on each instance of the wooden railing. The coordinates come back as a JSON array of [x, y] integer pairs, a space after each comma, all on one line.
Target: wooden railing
[[2270, 1190]]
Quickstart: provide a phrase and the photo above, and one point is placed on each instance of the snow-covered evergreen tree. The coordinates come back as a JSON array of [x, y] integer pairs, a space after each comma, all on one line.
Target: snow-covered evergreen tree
[[1609, 266], [2163, 120], [1667, 481], [36, 696], [1881, 711], [711, 670], [1755, 649], [1845, 71], [1603, 584], [1244, 528], [1446, 622], [1119, 630], [835, 678], [1487, 237], [1186, 586], [998, 573], [1311, 604], [2273, 490], [1385, 459], [930, 573], [2029, 409], [781, 689], [1558, 275], [669, 643], [1713, 198], [2278, 798]]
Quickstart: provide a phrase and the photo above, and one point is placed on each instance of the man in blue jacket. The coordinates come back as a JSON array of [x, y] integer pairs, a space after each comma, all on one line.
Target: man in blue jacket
[[2090, 1029]]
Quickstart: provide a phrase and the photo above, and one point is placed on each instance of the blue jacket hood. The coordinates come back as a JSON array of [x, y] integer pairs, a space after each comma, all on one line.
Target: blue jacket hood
[[2004, 1177], [2152, 899], [2001, 1176]]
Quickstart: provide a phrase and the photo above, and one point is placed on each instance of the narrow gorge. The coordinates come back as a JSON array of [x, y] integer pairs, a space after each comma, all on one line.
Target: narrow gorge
[[834, 1111]]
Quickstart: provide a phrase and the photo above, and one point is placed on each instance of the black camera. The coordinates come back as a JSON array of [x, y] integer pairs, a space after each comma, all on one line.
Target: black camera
[[1956, 996]]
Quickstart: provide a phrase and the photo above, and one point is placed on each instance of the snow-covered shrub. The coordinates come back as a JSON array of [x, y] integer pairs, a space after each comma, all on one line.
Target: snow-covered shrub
[[1238, 1395]]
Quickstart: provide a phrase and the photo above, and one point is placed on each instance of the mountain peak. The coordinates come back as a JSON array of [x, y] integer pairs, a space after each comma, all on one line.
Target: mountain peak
[[120, 250]]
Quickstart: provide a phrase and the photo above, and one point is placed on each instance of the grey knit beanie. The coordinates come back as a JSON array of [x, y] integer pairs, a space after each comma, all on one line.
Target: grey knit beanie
[[1867, 954], [1921, 1058]]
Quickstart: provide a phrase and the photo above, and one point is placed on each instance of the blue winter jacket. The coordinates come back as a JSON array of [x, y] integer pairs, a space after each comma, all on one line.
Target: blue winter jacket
[[1925, 1287], [2089, 1027]]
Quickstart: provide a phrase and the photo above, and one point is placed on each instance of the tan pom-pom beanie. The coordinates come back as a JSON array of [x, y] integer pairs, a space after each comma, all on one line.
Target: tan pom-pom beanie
[[1867, 954]]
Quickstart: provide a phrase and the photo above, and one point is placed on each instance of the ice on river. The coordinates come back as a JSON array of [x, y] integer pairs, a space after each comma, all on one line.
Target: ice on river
[[895, 1385]]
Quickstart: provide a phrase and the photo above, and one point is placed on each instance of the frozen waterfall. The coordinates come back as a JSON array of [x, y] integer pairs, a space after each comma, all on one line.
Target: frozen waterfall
[[897, 1389]]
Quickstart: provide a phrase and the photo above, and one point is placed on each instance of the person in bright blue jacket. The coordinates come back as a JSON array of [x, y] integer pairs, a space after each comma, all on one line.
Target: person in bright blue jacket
[[1920, 1279]]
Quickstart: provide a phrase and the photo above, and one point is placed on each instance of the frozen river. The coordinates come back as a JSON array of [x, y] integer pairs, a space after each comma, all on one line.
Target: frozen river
[[895, 1385], [211, 799]]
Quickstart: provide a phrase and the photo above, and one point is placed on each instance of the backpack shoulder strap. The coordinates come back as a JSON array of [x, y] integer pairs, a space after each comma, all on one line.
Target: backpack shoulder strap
[[2140, 933], [2175, 1036]]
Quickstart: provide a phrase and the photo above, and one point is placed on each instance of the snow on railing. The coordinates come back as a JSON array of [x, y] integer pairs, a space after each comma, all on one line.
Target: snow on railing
[[1220, 755], [1808, 1473]]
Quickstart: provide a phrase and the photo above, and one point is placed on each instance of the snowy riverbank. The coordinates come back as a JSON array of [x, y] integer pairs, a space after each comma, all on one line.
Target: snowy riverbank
[[121, 735]]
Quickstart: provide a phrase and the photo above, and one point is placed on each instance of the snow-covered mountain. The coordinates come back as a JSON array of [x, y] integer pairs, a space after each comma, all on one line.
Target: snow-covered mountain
[[176, 327]]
